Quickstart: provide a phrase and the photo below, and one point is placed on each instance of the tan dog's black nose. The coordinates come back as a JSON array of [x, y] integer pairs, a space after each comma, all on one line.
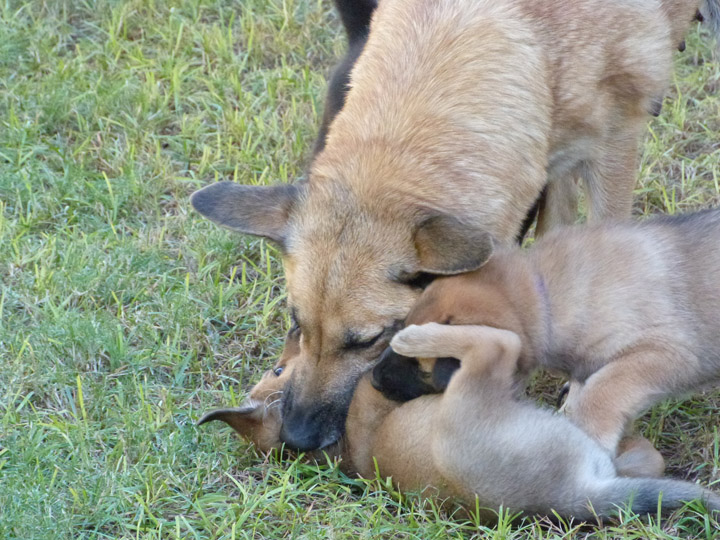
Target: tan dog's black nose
[[301, 433], [312, 425]]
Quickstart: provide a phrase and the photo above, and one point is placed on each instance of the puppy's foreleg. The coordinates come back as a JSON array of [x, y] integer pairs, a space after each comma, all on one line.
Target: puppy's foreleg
[[480, 349]]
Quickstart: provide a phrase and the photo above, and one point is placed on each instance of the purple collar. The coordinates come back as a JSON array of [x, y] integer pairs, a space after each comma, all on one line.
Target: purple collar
[[545, 311]]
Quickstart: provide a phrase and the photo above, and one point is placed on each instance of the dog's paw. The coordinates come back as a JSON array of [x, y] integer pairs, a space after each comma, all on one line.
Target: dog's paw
[[417, 340]]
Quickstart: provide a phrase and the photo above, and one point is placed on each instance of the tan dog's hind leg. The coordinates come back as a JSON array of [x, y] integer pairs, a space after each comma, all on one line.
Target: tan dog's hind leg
[[610, 179], [620, 391], [559, 205]]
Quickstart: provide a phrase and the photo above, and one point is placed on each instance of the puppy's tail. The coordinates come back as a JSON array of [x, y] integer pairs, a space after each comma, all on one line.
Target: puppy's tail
[[646, 495]]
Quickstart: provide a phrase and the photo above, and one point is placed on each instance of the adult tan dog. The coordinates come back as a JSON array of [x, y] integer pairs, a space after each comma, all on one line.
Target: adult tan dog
[[460, 112], [629, 311], [504, 452]]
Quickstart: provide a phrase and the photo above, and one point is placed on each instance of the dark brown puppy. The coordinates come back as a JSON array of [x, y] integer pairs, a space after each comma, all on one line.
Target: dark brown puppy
[[355, 16]]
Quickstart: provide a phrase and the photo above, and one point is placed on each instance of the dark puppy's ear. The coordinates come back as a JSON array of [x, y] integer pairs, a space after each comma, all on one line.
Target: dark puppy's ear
[[257, 210], [443, 369], [446, 245], [245, 419]]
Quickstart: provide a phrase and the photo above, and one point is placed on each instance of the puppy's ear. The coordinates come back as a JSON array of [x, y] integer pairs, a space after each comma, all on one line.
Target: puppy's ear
[[446, 245], [244, 419], [257, 210]]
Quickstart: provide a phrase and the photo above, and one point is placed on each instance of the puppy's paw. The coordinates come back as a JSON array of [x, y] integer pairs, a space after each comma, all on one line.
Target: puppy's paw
[[638, 457], [418, 341]]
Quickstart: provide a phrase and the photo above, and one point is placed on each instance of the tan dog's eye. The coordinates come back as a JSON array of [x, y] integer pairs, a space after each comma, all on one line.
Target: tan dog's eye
[[353, 341], [278, 371]]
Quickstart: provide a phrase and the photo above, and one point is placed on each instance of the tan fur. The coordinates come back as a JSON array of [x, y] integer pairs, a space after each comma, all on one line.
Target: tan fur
[[459, 110], [628, 311], [477, 440]]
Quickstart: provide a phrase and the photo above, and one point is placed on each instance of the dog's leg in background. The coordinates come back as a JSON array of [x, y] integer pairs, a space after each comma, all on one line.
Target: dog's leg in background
[[610, 179], [617, 393], [559, 204]]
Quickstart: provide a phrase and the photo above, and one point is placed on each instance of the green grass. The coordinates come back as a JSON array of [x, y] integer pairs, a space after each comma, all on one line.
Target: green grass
[[124, 315]]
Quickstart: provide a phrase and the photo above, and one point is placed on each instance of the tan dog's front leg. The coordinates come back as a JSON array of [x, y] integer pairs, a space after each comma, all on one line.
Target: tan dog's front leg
[[621, 390], [479, 348]]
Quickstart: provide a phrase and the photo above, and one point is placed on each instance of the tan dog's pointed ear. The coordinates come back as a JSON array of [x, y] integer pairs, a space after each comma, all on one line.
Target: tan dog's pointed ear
[[446, 246], [245, 419], [257, 210]]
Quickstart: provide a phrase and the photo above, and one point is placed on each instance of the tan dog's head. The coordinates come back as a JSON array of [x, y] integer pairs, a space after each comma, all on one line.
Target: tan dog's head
[[353, 259]]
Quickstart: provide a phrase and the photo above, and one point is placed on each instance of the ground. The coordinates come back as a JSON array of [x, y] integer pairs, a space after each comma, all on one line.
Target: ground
[[124, 315]]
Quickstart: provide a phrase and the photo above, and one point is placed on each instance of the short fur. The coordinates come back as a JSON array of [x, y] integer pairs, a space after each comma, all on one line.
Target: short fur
[[476, 440], [459, 113], [628, 311]]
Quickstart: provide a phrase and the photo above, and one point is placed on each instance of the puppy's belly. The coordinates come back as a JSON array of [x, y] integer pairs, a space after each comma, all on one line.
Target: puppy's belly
[[402, 448]]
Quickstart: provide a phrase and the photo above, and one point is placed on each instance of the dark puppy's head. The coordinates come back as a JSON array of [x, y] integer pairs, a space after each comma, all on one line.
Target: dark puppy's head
[[258, 419], [401, 378]]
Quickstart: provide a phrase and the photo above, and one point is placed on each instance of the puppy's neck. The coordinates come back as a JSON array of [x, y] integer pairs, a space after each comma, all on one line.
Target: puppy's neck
[[368, 410], [527, 304]]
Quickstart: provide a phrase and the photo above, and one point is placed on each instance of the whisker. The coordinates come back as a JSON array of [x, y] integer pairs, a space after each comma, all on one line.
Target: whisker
[[273, 403], [271, 396]]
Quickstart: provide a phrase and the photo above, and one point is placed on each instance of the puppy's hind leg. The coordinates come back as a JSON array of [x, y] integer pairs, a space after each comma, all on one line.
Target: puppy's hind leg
[[637, 457], [621, 390]]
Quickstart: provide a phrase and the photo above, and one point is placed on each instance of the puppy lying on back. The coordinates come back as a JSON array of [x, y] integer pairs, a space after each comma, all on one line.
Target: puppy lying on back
[[475, 440], [629, 311]]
